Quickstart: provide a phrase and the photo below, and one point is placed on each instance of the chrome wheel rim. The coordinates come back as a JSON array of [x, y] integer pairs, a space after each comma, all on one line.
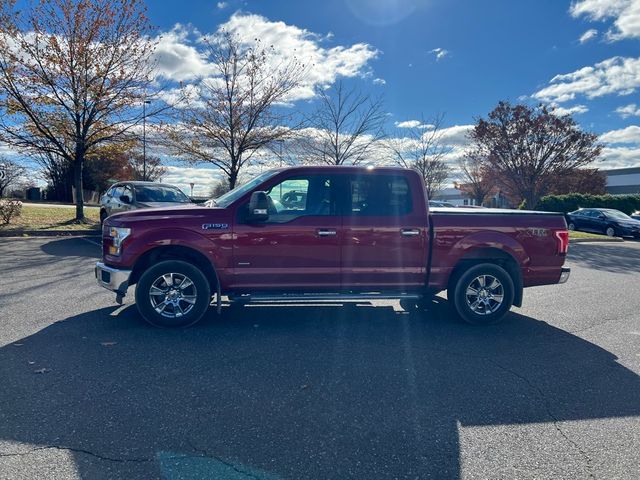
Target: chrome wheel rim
[[173, 295], [610, 232], [484, 295], [572, 226]]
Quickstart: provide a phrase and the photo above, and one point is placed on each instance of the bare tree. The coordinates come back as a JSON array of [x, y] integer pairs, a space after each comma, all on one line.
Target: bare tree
[[10, 174], [344, 128], [72, 76], [527, 147], [475, 176], [225, 119], [421, 148]]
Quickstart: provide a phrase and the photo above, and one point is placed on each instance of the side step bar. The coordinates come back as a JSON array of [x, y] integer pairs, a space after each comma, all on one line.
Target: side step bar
[[304, 297]]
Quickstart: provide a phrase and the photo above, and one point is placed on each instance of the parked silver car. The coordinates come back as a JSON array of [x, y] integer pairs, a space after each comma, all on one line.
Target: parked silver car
[[125, 196]]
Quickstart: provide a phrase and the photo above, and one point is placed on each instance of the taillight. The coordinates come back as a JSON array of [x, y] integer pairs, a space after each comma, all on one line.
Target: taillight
[[562, 236]]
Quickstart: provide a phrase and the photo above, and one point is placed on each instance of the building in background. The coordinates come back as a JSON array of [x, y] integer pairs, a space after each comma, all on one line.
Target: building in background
[[621, 181], [459, 198]]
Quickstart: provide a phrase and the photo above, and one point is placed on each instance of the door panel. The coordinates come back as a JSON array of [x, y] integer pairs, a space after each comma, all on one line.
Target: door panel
[[298, 248], [385, 235]]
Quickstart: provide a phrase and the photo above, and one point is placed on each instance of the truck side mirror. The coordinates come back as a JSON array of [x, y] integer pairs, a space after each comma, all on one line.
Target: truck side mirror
[[259, 207], [125, 199]]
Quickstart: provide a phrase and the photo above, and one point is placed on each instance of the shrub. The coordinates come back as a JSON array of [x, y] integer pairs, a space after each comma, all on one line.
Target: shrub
[[568, 203], [9, 209]]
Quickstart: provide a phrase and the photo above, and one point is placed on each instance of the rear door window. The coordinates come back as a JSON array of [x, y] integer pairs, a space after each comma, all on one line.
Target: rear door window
[[379, 195]]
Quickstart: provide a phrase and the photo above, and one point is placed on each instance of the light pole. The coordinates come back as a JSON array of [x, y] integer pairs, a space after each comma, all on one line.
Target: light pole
[[144, 139]]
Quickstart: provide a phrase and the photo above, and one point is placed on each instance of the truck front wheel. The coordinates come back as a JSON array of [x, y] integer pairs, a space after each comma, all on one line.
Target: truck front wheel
[[483, 294], [173, 293]]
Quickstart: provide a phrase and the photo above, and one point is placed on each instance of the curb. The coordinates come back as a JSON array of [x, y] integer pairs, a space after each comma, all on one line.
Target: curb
[[596, 240], [50, 233]]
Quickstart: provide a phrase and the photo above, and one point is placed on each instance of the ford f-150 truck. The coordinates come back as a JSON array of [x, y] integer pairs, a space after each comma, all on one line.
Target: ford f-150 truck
[[335, 233]]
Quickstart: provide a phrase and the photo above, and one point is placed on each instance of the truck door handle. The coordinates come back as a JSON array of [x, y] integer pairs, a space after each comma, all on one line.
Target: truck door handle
[[410, 232], [327, 233]]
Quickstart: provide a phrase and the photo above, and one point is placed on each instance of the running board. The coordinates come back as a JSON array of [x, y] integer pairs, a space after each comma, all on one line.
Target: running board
[[304, 297]]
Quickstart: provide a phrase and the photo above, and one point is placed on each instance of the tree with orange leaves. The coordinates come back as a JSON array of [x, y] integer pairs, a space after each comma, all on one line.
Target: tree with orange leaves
[[73, 76]]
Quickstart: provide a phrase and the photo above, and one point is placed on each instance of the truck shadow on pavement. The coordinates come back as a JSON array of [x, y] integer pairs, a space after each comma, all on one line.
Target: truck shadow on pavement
[[300, 392]]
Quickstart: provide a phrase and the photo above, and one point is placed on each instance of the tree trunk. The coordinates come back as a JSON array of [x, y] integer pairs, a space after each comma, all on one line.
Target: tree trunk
[[77, 183], [233, 178]]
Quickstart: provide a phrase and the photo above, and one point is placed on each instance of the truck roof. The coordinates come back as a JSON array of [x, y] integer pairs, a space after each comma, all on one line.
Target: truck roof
[[343, 168]]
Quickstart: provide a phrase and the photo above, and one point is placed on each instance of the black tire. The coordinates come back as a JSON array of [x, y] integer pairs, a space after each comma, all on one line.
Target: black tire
[[103, 216], [176, 298], [484, 313]]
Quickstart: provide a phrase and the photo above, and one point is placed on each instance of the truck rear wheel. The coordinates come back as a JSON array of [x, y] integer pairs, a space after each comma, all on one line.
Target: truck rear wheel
[[173, 293], [483, 294]]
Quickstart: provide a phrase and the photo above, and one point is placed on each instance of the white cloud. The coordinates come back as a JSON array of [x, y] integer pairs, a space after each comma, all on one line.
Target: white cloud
[[575, 110], [408, 124], [456, 135], [631, 110], [177, 58], [440, 53], [289, 42], [628, 135], [379, 81], [616, 75], [588, 35], [625, 13], [179, 55], [222, 5], [203, 178], [619, 157]]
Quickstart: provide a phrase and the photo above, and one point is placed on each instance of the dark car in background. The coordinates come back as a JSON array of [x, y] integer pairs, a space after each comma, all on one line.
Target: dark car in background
[[125, 196], [612, 223]]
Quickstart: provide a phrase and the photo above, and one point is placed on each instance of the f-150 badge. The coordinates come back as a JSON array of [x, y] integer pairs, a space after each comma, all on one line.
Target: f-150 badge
[[215, 226]]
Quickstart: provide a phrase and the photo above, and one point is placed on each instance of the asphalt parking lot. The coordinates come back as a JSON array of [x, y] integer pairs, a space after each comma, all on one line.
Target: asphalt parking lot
[[325, 391]]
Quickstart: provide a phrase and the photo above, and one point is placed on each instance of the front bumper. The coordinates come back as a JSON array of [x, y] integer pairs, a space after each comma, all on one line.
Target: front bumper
[[112, 278], [564, 276]]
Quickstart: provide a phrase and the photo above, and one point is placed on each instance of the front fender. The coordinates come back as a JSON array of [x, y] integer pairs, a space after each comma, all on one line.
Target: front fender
[[214, 248]]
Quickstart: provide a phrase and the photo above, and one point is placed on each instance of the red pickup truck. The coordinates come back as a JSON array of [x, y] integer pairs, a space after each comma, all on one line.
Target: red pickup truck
[[335, 233]]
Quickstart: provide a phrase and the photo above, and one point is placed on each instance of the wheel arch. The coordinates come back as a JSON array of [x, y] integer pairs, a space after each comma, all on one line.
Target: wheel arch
[[176, 252], [495, 256]]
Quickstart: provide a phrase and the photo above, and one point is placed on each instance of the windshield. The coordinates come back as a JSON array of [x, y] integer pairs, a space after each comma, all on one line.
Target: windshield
[[617, 215], [228, 198], [160, 193]]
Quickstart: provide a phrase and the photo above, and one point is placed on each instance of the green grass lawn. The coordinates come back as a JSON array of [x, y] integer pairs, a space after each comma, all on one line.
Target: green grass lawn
[[574, 234], [53, 218]]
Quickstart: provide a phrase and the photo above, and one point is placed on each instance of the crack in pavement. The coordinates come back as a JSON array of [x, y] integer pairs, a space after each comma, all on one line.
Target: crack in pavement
[[547, 406], [76, 450], [541, 394], [204, 453]]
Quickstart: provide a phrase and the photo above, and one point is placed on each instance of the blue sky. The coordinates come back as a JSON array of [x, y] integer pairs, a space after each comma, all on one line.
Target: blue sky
[[457, 57], [498, 49]]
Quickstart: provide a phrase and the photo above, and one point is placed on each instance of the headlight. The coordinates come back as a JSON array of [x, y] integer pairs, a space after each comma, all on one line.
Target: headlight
[[117, 234]]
